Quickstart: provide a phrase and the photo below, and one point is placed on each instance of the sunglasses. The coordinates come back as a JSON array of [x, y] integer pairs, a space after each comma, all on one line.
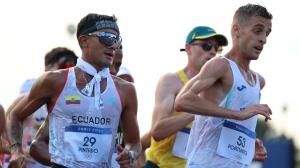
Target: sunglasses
[[207, 46], [108, 38]]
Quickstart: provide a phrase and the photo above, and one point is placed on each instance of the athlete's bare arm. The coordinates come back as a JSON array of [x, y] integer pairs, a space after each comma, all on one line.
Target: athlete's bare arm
[[2, 121], [198, 97], [44, 91], [126, 77], [260, 151], [10, 108], [3, 147], [145, 142], [39, 149], [129, 123], [164, 124]]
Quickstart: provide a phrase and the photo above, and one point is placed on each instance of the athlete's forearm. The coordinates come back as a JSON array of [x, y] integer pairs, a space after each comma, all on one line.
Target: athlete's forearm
[[134, 150], [2, 121], [15, 133], [171, 125], [39, 151], [15, 123], [192, 103], [146, 141], [3, 147]]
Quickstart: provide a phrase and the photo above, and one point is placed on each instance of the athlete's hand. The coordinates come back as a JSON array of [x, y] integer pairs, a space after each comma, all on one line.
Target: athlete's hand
[[260, 151], [17, 160], [262, 109], [124, 158]]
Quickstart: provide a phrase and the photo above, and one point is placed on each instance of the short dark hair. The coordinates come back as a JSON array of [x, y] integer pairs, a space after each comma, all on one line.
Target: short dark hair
[[244, 13], [56, 53], [88, 23]]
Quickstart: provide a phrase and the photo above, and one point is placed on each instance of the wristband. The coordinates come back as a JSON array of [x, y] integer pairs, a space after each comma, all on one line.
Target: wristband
[[14, 145], [133, 155]]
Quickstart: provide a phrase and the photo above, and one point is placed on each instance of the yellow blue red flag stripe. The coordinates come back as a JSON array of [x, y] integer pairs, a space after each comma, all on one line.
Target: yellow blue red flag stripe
[[72, 99]]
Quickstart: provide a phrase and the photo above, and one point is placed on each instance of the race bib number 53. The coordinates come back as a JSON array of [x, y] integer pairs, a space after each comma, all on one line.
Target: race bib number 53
[[237, 142]]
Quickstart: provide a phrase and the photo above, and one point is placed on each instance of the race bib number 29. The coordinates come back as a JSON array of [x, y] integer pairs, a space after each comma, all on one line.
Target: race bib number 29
[[87, 143]]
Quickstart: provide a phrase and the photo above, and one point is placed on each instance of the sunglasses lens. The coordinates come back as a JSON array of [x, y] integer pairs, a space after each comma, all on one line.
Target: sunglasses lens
[[207, 46], [106, 40], [109, 39]]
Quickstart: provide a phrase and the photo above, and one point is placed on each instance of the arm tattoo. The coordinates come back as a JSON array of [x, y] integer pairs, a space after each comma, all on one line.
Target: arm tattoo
[[15, 131]]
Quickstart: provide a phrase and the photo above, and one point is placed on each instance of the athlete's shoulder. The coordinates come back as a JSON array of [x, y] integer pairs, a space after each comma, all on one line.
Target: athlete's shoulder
[[52, 80], [125, 89], [170, 77], [122, 84], [170, 80], [26, 85], [58, 75], [220, 62], [217, 66]]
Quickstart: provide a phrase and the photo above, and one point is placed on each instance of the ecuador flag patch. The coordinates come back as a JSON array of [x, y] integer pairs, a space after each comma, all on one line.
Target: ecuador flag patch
[[72, 99]]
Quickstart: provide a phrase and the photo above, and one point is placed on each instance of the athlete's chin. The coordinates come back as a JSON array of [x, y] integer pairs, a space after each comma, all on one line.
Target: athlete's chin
[[109, 60], [255, 56], [108, 63]]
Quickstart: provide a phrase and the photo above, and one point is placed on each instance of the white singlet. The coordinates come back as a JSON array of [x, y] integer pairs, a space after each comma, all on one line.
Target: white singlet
[[219, 142], [80, 135]]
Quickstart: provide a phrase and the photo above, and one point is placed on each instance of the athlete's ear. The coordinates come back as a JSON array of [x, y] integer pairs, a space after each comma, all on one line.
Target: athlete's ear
[[83, 41], [187, 48], [235, 30]]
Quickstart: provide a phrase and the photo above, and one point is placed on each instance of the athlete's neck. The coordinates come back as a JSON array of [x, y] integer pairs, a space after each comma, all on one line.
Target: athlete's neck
[[190, 71], [239, 59]]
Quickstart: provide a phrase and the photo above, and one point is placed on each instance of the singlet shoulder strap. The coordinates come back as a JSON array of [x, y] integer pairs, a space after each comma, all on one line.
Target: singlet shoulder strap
[[257, 80], [233, 65], [62, 88], [182, 76]]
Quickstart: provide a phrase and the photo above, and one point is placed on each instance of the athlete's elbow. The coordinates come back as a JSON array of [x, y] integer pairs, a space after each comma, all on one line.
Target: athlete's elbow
[[180, 103], [33, 149], [157, 138], [156, 135], [37, 151]]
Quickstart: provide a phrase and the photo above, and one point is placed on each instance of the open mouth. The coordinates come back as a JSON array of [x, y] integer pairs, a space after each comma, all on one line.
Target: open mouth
[[259, 48], [109, 54]]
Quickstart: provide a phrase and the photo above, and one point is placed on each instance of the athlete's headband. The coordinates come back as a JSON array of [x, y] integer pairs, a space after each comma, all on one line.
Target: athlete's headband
[[102, 24]]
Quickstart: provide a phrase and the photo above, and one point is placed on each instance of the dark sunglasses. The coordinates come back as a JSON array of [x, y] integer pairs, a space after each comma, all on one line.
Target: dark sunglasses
[[207, 46], [108, 38]]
